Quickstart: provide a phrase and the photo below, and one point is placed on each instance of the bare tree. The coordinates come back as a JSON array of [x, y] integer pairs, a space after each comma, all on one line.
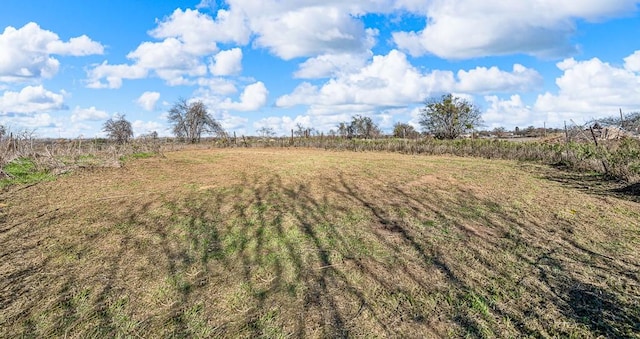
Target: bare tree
[[266, 132], [119, 129], [191, 120], [345, 130], [449, 117]]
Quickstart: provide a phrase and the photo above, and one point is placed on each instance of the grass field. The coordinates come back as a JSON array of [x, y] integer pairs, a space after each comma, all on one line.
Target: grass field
[[291, 243]]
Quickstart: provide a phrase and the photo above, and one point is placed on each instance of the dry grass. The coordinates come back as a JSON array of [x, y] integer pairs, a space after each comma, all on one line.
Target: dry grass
[[280, 243]]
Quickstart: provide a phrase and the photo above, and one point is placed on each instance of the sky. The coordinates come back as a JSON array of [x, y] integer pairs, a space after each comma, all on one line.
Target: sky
[[67, 66]]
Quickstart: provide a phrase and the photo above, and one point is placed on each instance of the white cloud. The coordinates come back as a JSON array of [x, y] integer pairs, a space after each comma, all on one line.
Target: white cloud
[[467, 28], [148, 100], [226, 27], [79, 46], [26, 53], [252, 98], [482, 80], [206, 4], [391, 81], [31, 99], [30, 122], [113, 74], [88, 114], [180, 53], [507, 113], [632, 62], [590, 89], [216, 86], [231, 122], [144, 127], [311, 31], [328, 65], [171, 58], [227, 62]]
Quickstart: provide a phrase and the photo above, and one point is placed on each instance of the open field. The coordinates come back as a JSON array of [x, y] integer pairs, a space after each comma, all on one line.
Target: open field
[[301, 242]]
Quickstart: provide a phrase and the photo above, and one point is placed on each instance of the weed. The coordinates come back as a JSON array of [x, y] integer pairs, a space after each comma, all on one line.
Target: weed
[[24, 171]]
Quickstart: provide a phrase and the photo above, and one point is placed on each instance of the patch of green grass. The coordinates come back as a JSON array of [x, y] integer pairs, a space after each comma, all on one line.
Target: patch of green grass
[[24, 171]]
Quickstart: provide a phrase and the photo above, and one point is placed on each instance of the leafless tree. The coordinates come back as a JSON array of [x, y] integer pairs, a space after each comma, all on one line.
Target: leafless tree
[[266, 132], [191, 120], [119, 129]]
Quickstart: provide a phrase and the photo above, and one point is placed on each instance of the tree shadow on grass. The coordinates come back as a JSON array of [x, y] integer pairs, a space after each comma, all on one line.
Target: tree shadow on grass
[[335, 258], [593, 183]]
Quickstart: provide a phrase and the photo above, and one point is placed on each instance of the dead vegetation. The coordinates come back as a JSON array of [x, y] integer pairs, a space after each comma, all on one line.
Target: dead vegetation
[[281, 243]]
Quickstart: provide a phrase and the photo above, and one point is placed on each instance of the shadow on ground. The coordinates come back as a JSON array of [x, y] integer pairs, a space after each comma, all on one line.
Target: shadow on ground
[[336, 257]]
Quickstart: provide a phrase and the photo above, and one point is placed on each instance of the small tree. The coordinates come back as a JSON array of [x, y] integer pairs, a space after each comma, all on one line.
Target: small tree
[[449, 117], [401, 130], [191, 120], [119, 129], [364, 127], [266, 132], [500, 132], [345, 130]]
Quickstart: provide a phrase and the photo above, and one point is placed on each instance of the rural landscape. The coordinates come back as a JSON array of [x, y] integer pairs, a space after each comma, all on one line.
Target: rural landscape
[[320, 169], [318, 236]]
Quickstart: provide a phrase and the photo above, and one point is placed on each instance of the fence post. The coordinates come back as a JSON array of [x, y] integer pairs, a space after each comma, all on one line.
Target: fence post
[[603, 160]]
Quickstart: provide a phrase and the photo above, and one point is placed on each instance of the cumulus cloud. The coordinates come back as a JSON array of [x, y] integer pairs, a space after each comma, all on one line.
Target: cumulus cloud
[[231, 122], [391, 81], [144, 127], [482, 79], [227, 62], [466, 28], [180, 54], [507, 113], [226, 27], [310, 31], [113, 74], [27, 53], [327, 65], [592, 87], [88, 114], [31, 122], [79, 46], [148, 100], [252, 98], [216, 86], [632, 62], [31, 99]]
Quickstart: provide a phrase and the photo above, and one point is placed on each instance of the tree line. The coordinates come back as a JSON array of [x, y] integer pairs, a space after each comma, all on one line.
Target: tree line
[[445, 117]]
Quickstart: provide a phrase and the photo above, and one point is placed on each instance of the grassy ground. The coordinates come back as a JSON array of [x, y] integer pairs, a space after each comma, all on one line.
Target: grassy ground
[[280, 243]]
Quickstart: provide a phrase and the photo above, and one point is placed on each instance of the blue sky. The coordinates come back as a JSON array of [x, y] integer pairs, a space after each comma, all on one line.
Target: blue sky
[[67, 66]]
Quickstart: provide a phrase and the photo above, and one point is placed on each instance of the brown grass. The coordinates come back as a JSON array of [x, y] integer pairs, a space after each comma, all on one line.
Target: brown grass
[[280, 243]]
